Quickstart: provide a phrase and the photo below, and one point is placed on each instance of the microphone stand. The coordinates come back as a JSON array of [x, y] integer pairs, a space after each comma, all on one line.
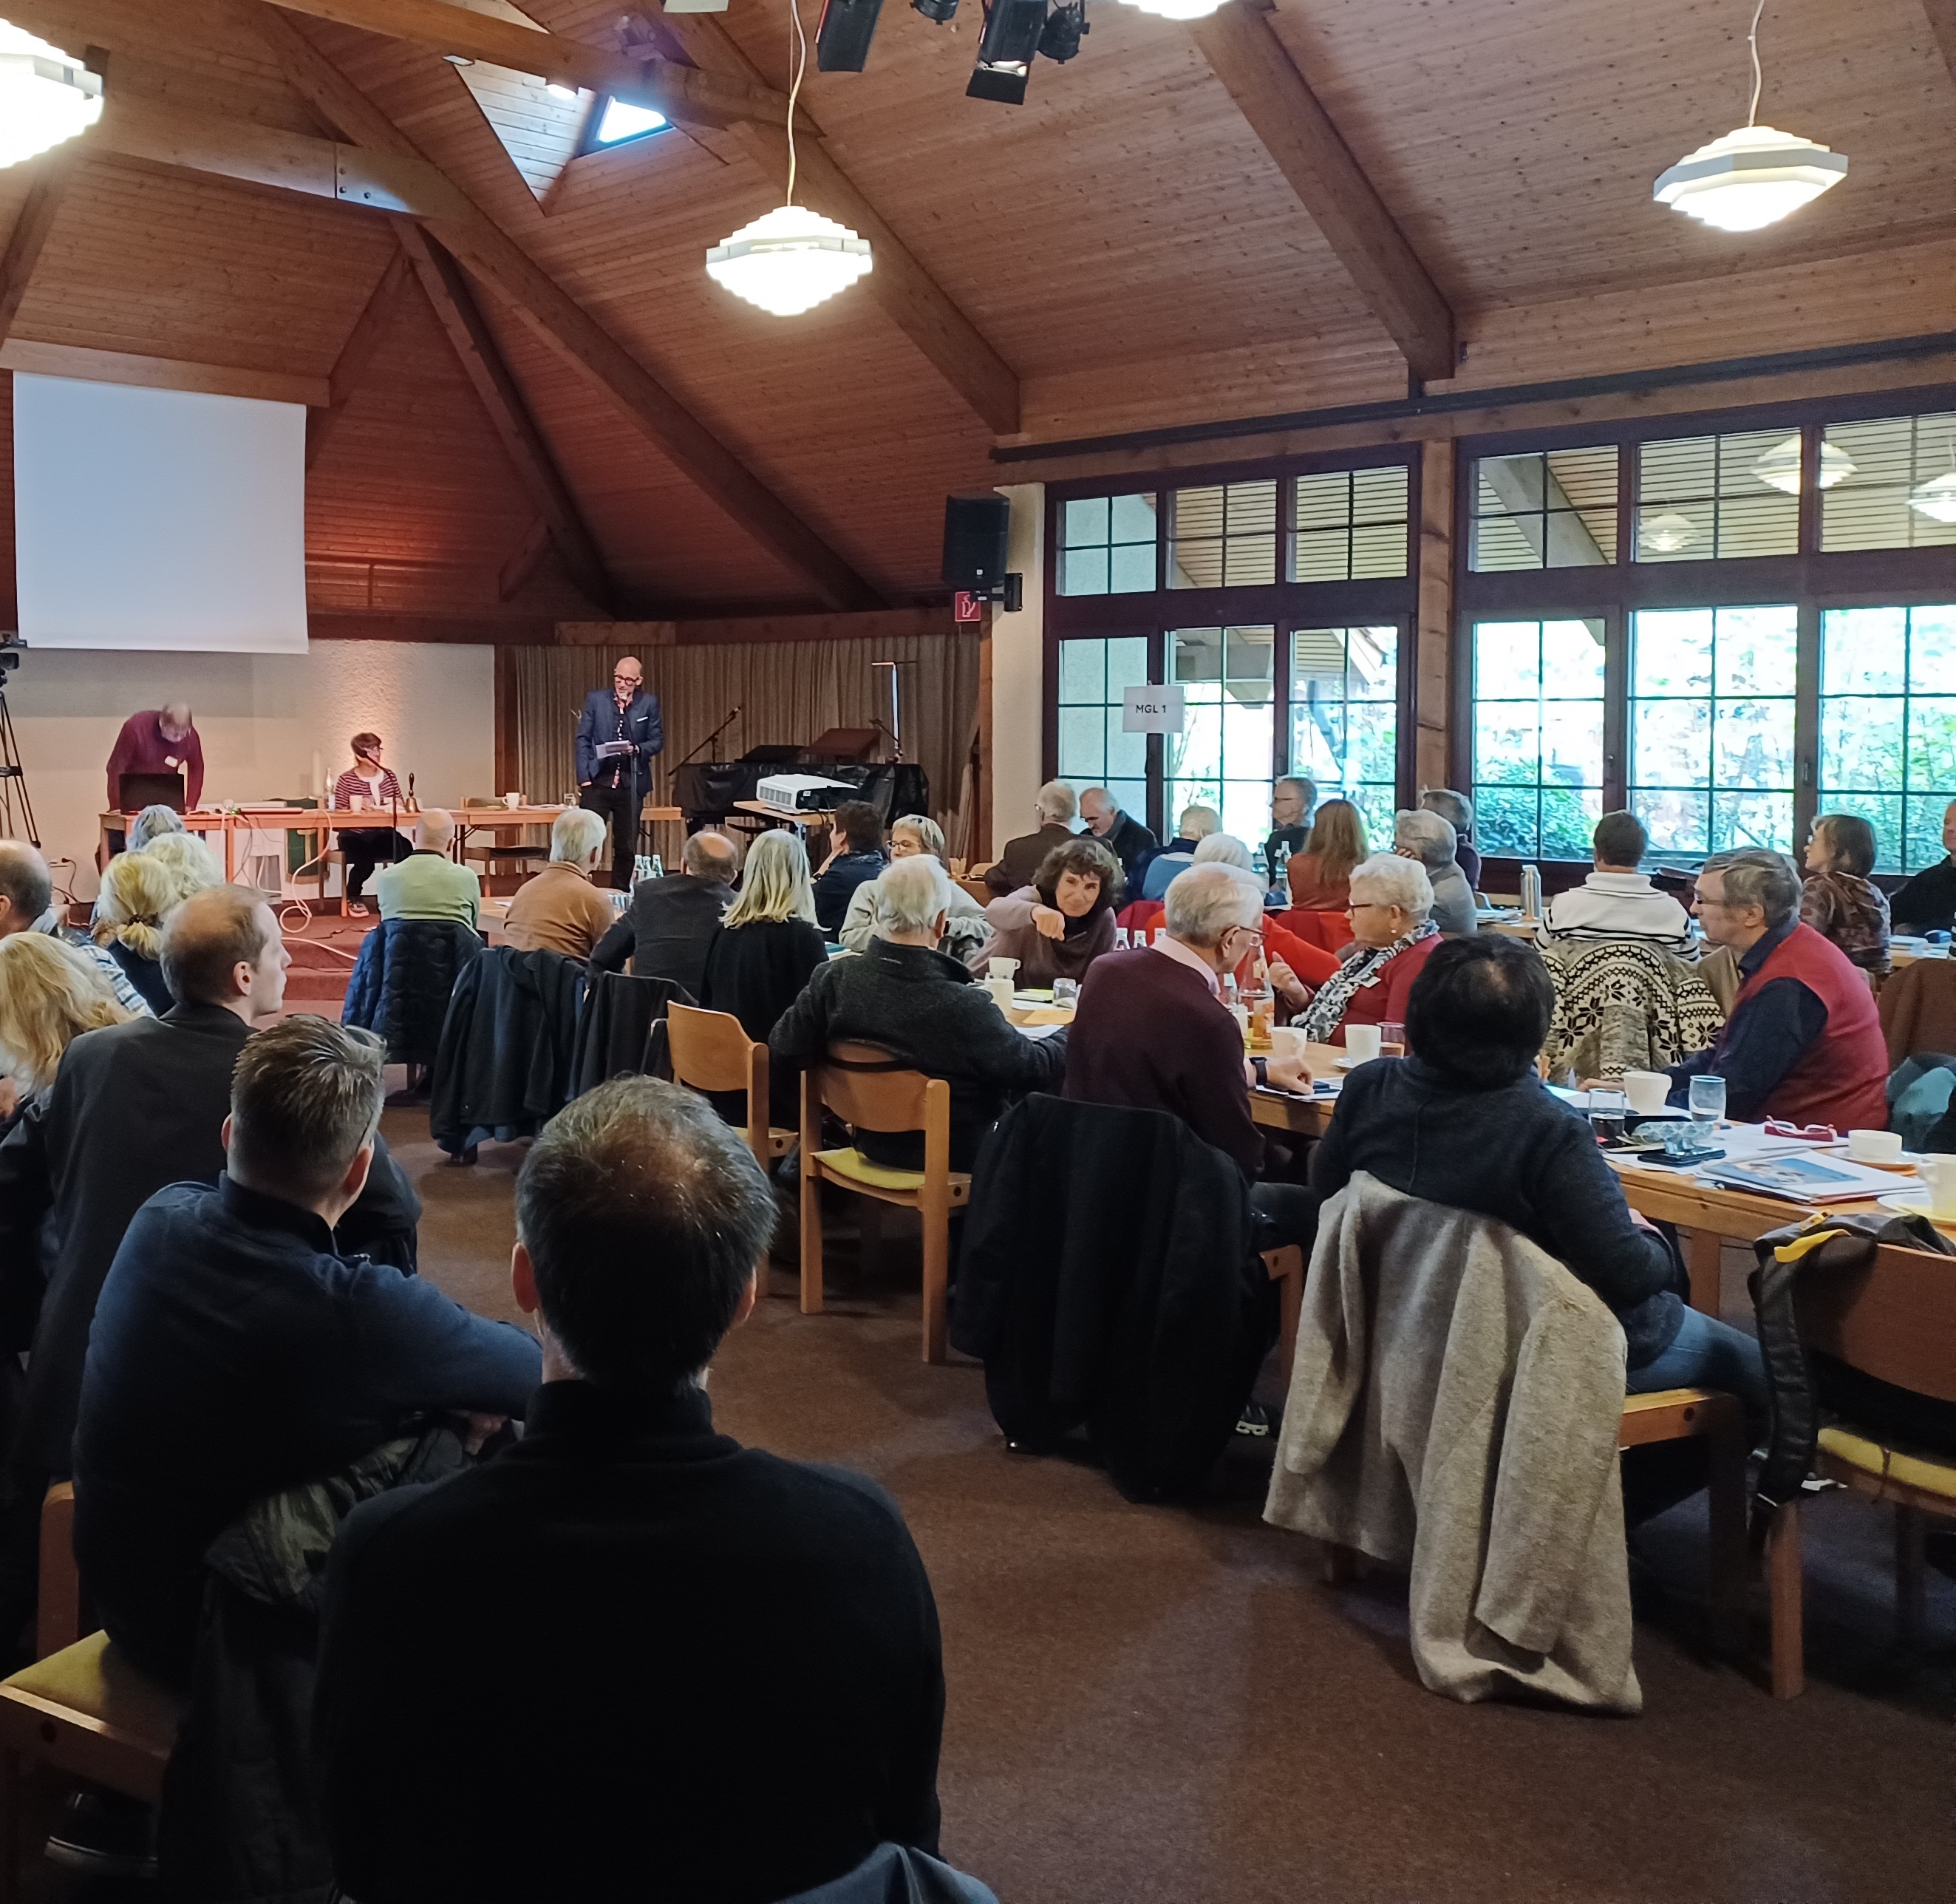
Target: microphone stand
[[732, 717]]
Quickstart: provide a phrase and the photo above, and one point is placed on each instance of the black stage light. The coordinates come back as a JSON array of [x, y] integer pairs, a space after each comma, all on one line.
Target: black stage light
[[1005, 50], [940, 11], [1064, 26], [842, 40]]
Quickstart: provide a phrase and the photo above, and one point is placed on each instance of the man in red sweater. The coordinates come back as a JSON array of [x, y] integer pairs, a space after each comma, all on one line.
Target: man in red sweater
[[1151, 1031], [158, 741], [1804, 1042]]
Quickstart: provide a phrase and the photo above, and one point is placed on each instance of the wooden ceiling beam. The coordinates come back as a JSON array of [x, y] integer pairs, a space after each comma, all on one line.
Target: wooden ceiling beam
[[355, 354], [36, 219], [574, 335], [685, 96], [913, 299], [482, 359], [1942, 23], [1256, 68]]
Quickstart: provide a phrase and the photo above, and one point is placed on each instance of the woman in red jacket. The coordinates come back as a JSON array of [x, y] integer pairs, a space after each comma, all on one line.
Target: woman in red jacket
[[1391, 938]]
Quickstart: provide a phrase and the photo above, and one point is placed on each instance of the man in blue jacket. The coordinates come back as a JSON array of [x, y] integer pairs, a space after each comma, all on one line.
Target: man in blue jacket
[[617, 735]]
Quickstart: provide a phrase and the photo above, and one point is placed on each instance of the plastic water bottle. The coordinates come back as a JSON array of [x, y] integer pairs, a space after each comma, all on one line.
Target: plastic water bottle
[[1530, 891], [1120, 939]]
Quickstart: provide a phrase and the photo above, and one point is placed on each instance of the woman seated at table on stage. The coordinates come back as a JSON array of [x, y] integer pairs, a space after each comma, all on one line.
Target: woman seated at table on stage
[[50, 993], [192, 862], [1463, 1120], [1838, 899], [1320, 876], [913, 834], [137, 889], [1058, 925], [1393, 937], [368, 786]]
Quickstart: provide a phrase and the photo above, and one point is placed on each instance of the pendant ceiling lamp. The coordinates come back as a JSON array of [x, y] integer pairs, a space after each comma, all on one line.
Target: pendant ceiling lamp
[[1778, 468], [45, 96], [1752, 177], [1665, 534], [789, 260]]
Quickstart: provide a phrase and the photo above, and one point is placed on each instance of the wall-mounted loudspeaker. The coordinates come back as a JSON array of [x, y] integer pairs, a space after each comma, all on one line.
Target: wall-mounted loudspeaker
[[975, 529]]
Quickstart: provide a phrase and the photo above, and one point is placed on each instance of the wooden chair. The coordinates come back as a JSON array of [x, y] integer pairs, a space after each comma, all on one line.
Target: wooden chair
[[1896, 1321], [496, 857], [711, 1051], [881, 1101], [1286, 1265], [81, 1711], [1672, 1415]]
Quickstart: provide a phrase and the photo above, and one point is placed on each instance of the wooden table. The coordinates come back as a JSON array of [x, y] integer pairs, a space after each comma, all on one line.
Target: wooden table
[[231, 821], [1708, 1213], [506, 819]]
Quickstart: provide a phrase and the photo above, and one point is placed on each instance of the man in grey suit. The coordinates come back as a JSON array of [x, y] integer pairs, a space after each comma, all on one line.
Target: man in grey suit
[[617, 734]]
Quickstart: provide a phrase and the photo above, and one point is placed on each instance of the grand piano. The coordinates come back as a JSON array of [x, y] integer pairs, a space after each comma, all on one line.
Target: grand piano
[[705, 790]]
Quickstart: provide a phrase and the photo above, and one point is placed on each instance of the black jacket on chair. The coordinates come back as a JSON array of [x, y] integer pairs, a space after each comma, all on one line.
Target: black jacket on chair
[[615, 1027], [401, 981], [135, 1106], [1110, 1277], [503, 1067]]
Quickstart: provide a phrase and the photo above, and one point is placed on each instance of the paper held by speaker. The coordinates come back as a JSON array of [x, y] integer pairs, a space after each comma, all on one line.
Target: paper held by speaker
[[977, 530]]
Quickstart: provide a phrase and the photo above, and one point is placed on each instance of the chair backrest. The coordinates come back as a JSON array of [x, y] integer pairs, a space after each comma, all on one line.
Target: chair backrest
[[862, 1085], [1917, 1008], [711, 1051], [1332, 930], [1145, 913], [1895, 1320]]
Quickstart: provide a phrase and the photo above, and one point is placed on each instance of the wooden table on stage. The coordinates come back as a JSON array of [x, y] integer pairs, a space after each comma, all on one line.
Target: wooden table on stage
[[508, 819], [312, 821], [1709, 1214]]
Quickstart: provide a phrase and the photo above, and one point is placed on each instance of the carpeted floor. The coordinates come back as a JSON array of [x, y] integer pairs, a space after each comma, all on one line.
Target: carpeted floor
[[1157, 1706]]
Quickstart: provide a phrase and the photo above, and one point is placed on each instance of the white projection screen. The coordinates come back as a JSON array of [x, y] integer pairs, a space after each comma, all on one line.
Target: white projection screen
[[158, 518]]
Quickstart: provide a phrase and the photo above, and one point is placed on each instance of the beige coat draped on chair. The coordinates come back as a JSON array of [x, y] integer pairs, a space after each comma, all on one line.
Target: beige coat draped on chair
[[1454, 1405]]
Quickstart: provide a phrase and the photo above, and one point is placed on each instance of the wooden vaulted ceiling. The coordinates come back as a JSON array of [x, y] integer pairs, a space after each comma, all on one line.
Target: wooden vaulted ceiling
[[546, 410]]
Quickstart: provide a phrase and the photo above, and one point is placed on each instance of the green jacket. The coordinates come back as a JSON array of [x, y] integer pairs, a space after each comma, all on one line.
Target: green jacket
[[428, 884]]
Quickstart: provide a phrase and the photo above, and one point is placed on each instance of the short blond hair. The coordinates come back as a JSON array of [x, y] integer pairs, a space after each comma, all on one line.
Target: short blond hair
[[50, 993]]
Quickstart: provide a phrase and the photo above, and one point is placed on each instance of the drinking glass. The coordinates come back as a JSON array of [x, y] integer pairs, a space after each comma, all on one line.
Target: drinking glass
[[1066, 991], [1392, 1039], [1707, 1104], [1607, 1105]]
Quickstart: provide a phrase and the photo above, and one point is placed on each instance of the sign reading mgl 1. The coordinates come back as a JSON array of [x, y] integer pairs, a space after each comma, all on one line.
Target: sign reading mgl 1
[[1152, 710]]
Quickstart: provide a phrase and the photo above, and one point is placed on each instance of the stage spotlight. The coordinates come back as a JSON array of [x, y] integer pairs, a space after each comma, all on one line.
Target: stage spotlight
[[1005, 50], [842, 40], [938, 12], [1060, 40]]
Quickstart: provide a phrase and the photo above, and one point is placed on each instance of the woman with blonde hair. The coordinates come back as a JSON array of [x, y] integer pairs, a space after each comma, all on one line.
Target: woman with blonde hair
[[50, 993], [1320, 876], [137, 888], [193, 864], [765, 948]]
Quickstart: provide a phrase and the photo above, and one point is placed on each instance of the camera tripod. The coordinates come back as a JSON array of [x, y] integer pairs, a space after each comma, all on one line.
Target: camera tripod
[[14, 785]]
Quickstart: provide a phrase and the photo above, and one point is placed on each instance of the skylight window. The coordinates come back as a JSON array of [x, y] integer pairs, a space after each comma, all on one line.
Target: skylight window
[[619, 121]]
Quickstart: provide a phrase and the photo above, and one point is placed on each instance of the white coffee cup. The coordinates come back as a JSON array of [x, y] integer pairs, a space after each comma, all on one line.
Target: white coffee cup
[[1646, 1090], [1005, 968], [512, 801], [1361, 1042], [1001, 989], [1938, 1179], [1286, 1041], [1875, 1146]]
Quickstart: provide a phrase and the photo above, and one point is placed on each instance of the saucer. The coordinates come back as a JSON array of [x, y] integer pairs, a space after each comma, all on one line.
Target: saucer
[[1910, 1203]]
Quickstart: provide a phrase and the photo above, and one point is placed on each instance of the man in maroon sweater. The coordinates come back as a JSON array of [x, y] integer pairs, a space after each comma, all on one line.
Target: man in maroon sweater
[[157, 741], [1151, 1031]]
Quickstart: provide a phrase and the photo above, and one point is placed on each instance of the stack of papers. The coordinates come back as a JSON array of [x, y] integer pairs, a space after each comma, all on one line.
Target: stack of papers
[[1815, 1177]]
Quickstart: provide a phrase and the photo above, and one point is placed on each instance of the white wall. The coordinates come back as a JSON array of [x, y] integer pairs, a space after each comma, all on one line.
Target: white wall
[[267, 722], [1018, 671]]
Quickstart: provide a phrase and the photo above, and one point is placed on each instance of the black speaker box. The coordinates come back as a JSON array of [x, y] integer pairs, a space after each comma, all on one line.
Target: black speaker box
[[975, 529], [842, 40]]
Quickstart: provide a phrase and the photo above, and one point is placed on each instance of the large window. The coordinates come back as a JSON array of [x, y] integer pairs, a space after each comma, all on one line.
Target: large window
[[1887, 725], [1712, 727], [1706, 498], [1222, 757], [1548, 509], [1894, 484], [1107, 545], [1351, 524], [1537, 758], [1344, 717], [1225, 536], [1093, 751]]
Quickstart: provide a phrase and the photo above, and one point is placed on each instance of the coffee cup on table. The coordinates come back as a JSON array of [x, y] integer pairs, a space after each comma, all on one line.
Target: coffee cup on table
[[1005, 968], [1286, 1041], [1647, 1092], [1938, 1179], [1001, 990], [512, 801], [1361, 1042], [1875, 1146]]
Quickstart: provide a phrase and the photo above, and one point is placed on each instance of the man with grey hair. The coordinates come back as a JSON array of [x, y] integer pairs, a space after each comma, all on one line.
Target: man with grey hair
[[428, 884], [1804, 1042], [1458, 812], [1196, 824], [27, 905], [1053, 812], [237, 1351], [1424, 837], [1293, 800], [1151, 1032], [1122, 834], [158, 741], [558, 909], [666, 930], [923, 1008]]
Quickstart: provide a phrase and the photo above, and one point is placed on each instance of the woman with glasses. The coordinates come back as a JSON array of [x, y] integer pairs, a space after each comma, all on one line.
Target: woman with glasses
[[1393, 937], [368, 786]]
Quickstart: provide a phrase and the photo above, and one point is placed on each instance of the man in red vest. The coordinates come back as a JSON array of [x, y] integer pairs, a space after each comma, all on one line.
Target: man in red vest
[[1802, 1043]]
